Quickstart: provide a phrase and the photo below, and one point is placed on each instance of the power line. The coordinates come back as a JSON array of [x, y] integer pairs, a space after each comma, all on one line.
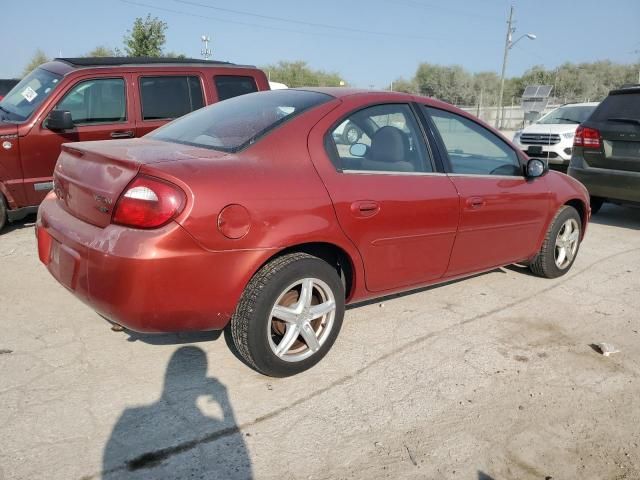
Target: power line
[[451, 11], [303, 22], [224, 20]]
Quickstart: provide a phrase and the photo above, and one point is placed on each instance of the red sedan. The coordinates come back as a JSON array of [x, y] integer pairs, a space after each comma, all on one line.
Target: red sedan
[[256, 214]]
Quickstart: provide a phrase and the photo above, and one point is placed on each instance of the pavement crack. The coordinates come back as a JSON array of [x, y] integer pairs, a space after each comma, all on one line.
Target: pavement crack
[[153, 458]]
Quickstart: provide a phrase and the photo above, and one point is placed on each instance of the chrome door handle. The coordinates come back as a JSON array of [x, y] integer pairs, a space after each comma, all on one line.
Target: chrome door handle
[[126, 134]]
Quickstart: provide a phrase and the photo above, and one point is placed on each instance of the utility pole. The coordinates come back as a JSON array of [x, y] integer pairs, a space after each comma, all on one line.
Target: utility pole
[[507, 46]]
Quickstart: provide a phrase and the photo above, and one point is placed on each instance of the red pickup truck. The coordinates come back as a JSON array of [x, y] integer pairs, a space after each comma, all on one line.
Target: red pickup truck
[[82, 99]]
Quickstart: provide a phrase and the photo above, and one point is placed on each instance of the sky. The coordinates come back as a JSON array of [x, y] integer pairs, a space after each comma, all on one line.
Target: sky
[[368, 42]]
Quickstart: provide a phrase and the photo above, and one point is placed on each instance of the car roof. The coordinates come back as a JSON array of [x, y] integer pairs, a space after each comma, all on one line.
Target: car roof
[[626, 89], [580, 104], [341, 92], [64, 65]]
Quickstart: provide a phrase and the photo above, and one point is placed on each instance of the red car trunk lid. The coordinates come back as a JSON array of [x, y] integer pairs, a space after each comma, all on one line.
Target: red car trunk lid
[[89, 177]]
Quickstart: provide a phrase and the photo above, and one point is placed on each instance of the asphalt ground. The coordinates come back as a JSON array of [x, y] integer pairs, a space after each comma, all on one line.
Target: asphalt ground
[[492, 377]]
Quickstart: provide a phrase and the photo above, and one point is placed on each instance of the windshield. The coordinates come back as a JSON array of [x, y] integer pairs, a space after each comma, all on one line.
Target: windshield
[[569, 114], [233, 124], [25, 97]]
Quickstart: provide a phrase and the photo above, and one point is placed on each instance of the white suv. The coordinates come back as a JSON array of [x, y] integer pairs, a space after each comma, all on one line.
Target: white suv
[[551, 137]]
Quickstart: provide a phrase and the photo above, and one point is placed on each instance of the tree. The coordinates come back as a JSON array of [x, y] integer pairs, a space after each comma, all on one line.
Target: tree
[[38, 59], [298, 74], [146, 38], [403, 85], [102, 51]]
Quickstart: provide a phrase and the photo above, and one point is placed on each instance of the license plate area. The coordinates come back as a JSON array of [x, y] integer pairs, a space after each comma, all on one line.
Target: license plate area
[[534, 151], [64, 264]]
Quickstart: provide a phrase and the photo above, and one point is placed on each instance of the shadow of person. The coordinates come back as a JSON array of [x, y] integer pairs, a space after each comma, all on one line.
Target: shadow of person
[[172, 438]]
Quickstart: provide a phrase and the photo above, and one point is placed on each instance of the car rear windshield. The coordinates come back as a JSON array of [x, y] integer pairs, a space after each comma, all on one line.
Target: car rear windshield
[[236, 123], [621, 105]]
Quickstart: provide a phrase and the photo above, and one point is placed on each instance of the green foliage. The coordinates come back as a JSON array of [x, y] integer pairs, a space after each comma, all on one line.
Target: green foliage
[[403, 85], [146, 38], [39, 57], [299, 74], [102, 51], [572, 82]]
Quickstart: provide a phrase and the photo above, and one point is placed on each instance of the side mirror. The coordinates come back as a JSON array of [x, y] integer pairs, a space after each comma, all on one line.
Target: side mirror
[[536, 168], [358, 150], [59, 120]]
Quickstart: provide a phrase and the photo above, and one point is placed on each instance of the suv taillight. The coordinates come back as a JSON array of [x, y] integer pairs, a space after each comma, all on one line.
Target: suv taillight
[[586, 137], [148, 203]]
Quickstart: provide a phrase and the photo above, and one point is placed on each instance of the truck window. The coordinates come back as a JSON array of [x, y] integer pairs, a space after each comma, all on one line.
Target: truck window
[[229, 86], [170, 97], [94, 101]]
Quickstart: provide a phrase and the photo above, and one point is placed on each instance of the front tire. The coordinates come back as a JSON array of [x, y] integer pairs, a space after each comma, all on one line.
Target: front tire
[[596, 204], [560, 246], [289, 315], [3, 212]]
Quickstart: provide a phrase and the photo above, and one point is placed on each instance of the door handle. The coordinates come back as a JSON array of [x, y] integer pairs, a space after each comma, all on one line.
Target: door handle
[[475, 202], [365, 208], [125, 134]]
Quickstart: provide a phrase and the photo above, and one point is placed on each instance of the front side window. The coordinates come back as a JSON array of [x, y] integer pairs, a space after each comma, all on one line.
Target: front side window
[[170, 97], [472, 149], [236, 123], [94, 101], [25, 97], [382, 138], [229, 86]]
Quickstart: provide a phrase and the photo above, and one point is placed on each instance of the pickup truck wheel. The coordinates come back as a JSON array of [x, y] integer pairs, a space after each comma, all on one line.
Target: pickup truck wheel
[[3, 212], [289, 315], [560, 246], [596, 204]]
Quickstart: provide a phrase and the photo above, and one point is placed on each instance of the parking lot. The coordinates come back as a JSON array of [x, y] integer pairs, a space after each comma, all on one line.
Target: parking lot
[[493, 377]]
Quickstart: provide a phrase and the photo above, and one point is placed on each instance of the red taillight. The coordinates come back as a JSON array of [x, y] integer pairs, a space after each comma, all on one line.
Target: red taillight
[[148, 203], [586, 137]]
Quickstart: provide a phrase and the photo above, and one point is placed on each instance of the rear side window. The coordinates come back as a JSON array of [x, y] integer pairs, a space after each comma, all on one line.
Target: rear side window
[[229, 86], [170, 96], [94, 101], [623, 105]]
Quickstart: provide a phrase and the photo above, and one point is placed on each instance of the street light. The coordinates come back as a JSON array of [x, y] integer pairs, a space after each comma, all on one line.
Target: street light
[[508, 45]]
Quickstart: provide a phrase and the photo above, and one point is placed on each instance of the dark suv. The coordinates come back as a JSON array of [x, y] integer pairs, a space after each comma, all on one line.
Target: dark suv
[[81, 99], [606, 154]]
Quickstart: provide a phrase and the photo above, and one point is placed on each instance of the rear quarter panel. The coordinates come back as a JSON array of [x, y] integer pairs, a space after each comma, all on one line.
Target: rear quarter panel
[[275, 181]]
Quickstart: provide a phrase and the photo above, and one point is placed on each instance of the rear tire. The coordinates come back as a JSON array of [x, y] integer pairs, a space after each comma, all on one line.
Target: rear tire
[[3, 212], [560, 246], [289, 315], [596, 204]]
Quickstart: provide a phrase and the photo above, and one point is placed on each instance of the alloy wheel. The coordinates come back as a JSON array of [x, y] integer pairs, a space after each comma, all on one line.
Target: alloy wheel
[[301, 319]]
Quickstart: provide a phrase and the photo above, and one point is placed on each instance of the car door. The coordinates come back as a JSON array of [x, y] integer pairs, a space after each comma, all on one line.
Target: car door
[[389, 199], [164, 97], [100, 111], [502, 213]]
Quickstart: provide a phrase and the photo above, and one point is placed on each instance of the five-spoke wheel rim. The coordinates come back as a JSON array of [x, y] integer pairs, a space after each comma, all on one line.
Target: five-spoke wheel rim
[[301, 319], [567, 243]]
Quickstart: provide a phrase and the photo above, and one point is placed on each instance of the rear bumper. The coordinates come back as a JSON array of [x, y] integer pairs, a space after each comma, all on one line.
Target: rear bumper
[[146, 280], [617, 185]]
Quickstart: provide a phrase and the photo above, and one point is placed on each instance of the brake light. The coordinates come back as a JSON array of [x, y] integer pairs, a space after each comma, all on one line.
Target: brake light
[[586, 137], [148, 203]]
